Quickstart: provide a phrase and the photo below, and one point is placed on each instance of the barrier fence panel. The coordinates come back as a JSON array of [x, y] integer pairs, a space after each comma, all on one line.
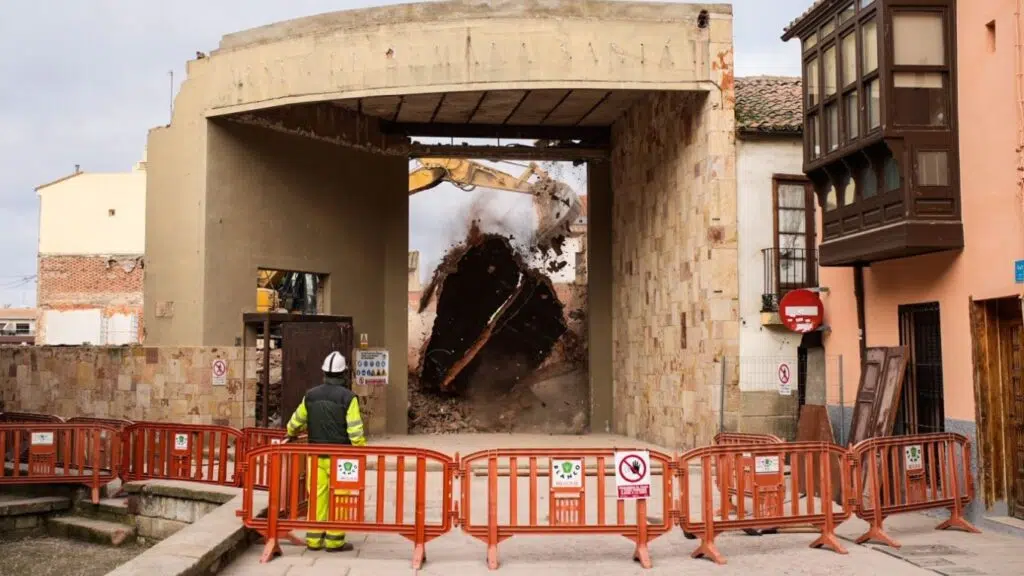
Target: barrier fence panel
[[900, 474], [543, 491], [772, 496], [257, 438], [361, 489], [85, 454], [727, 478], [192, 452], [11, 417]]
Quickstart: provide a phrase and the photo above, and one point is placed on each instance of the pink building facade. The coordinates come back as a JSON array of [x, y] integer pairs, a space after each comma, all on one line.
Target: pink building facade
[[958, 311]]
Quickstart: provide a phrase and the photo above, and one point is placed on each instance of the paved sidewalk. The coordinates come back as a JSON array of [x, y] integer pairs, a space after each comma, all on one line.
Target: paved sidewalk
[[924, 552], [947, 552]]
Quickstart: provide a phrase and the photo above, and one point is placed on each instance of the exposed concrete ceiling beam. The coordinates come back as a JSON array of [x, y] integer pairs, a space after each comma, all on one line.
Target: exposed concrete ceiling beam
[[326, 123], [557, 153], [504, 131]]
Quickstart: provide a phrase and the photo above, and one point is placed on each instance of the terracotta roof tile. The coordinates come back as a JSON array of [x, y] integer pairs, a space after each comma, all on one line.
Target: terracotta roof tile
[[769, 104], [817, 4]]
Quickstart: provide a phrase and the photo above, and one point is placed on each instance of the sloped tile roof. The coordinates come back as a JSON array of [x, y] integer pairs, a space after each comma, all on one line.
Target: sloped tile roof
[[799, 19], [769, 104]]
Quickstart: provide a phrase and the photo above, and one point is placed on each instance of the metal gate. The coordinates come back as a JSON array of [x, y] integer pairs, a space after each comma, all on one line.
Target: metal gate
[[304, 345]]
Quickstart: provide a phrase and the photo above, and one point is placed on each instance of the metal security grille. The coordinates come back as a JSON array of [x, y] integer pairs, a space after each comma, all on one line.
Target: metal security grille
[[921, 404]]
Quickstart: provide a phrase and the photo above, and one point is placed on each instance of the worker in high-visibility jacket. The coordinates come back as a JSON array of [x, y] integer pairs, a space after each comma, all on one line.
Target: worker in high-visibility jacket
[[331, 414]]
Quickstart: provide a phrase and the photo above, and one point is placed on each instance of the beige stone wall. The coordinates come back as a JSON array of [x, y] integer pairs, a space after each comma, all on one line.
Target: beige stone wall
[[163, 384], [675, 290]]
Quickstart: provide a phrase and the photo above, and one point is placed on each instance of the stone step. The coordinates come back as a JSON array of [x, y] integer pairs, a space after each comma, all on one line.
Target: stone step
[[22, 506], [109, 509], [90, 530]]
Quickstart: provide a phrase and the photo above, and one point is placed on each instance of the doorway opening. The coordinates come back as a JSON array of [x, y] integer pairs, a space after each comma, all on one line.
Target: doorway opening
[[997, 330], [497, 296], [921, 408]]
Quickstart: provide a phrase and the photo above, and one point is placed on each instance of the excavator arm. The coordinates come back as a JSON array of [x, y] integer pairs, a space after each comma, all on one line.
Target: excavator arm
[[467, 175]]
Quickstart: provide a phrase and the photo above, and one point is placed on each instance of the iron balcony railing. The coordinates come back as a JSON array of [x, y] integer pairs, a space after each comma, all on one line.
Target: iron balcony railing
[[786, 269]]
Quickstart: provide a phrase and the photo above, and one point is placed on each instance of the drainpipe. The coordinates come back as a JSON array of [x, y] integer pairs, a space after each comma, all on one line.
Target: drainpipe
[[858, 293], [1019, 90]]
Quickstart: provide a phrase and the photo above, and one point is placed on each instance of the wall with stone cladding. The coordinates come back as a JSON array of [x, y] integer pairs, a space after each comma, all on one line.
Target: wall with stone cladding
[[111, 283], [674, 260], [138, 383]]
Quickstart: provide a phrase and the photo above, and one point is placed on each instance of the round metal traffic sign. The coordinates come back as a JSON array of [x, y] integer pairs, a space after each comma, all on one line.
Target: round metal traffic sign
[[801, 311], [632, 469]]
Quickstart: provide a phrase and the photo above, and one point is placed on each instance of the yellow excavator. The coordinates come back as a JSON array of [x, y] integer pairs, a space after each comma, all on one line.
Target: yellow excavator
[[467, 175], [557, 205]]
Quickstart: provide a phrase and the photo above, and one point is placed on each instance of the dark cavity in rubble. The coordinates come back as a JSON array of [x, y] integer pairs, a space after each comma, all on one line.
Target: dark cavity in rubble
[[491, 308]]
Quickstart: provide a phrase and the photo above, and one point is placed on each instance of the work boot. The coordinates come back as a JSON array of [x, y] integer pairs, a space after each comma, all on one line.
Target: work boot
[[346, 547]]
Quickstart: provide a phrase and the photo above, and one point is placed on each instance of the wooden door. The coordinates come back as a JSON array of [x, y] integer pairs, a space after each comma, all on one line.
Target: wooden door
[[867, 390], [1013, 363], [881, 381], [304, 345]]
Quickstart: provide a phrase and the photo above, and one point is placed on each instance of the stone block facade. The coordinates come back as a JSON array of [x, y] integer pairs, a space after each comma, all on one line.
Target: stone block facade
[[112, 284], [164, 384], [674, 260]]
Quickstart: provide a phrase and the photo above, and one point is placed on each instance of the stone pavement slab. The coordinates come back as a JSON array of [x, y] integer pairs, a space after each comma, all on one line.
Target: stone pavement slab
[[946, 552], [456, 553]]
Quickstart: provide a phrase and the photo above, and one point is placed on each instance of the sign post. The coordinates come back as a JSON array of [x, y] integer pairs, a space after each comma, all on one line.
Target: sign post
[[633, 474], [801, 311]]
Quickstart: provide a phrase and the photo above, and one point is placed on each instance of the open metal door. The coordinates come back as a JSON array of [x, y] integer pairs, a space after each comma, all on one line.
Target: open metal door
[[304, 345]]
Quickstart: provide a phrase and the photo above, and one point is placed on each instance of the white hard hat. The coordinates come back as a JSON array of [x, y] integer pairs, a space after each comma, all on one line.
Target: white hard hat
[[334, 363]]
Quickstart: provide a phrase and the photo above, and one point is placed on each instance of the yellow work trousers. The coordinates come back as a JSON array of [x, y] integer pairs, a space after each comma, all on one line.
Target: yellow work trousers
[[331, 538]]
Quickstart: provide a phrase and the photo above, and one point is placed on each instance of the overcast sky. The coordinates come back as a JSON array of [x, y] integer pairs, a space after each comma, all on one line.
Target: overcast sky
[[81, 81]]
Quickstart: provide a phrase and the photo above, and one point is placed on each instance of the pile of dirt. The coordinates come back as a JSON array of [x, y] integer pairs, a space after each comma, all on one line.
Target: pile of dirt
[[500, 356], [491, 305]]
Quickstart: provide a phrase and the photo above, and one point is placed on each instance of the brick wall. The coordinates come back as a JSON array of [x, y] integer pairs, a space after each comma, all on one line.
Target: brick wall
[[110, 283], [675, 292], [138, 383]]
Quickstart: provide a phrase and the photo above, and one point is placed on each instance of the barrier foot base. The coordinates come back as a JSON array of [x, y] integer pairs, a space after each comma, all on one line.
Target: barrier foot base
[[419, 556], [707, 549], [492, 557], [271, 550], [958, 523], [295, 540], [829, 540], [642, 555], [876, 534], [95, 495]]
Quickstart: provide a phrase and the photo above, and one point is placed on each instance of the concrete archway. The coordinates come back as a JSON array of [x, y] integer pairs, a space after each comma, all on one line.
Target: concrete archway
[[288, 148]]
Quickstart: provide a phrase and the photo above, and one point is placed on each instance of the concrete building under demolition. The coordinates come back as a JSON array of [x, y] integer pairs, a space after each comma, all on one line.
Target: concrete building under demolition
[[288, 149]]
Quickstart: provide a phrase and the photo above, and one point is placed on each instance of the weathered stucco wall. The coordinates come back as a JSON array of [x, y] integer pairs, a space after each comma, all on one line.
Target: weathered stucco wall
[[675, 288], [137, 383]]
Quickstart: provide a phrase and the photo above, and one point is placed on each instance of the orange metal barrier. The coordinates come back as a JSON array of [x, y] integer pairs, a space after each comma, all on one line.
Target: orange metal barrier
[[759, 470], [192, 452], [117, 423], [257, 438], [909, 474], [84, 454], [359, 500], [569, 510], [11, 417], [733, 439]]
